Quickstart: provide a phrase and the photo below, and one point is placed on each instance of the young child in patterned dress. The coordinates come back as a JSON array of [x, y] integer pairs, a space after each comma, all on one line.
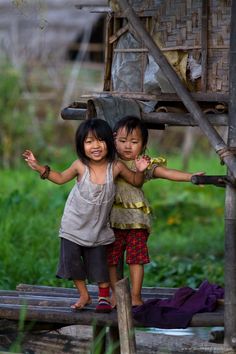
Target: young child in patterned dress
[[130, 215], [85, 231]]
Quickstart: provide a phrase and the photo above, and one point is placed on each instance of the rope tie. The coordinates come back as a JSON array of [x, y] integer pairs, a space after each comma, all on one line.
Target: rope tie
[[227, 151]]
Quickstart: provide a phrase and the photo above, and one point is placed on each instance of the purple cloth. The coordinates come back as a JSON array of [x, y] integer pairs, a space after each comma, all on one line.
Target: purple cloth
[[177, 311]]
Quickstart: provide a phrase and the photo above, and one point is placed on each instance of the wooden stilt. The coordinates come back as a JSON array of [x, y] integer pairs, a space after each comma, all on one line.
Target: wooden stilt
[[124, 314], [230, 204]]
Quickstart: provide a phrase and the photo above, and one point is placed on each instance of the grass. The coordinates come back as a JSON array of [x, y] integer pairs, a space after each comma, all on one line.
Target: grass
[[187, 240], [186, 244]]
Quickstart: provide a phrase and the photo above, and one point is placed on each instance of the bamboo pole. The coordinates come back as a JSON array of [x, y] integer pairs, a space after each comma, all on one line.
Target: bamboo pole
[[154, 118], [192, 106], [124, 314], [204, 43], [230, 203]]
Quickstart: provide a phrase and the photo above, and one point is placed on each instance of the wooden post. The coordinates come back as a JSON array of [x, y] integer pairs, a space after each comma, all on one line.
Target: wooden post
[[214, 138], [230, 203], [204, 35], [125, 320]]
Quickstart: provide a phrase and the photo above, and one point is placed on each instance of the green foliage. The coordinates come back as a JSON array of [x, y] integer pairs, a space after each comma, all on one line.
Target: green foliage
[[30, 214], [187, 239], [14, 116], [175, 271], [22, 125]]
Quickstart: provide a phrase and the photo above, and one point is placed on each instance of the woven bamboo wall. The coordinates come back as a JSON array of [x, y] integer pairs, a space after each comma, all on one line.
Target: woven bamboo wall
[[178, 25]]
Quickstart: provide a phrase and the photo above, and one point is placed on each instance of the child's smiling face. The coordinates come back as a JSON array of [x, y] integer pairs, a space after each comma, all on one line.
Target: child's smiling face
[[94, 148], [129, 146]]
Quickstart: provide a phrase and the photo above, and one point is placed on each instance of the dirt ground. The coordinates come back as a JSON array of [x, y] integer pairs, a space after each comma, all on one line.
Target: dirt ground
[[78, 339]]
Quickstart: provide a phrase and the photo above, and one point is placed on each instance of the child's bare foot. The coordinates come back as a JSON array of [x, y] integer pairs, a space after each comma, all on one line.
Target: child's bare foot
[[82, 302], [136, 301]]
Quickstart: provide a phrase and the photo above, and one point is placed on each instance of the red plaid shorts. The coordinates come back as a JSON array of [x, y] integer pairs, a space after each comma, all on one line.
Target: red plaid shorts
[[134, 242]]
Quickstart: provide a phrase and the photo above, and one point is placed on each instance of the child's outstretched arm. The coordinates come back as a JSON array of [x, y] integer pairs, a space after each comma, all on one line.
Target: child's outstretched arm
[[53, 176], [173, 175], [134, 178]]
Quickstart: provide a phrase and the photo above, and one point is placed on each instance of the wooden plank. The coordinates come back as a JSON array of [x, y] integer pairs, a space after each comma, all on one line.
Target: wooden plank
[[108, 53], [62, 315], [52, 305], [57, 291], [118, 33], [42, 292], [43, 301], [204, 43], [197, 96], [66, 316], [91, 288], [94, 8], [51, 289], [125, 320]]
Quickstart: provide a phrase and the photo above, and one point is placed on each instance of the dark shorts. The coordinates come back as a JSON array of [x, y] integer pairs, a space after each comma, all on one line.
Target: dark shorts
[[134, 242], [80, 263]]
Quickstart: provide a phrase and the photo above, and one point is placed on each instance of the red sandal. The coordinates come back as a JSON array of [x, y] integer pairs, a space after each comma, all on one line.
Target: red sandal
[[104, 305]]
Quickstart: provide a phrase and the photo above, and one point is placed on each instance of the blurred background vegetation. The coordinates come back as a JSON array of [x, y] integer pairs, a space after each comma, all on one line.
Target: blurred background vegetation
[[187, 240]]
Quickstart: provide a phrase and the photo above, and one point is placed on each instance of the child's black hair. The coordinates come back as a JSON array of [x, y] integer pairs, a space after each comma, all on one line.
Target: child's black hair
[[101, 130], [130, 123]]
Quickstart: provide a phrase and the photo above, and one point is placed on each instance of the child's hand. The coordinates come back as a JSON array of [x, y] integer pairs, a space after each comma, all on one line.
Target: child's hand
[[30, 159], [142, 163], [198, 174]]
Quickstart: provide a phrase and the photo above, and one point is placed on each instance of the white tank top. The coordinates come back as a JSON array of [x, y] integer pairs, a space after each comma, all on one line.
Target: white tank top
[[85, 220]]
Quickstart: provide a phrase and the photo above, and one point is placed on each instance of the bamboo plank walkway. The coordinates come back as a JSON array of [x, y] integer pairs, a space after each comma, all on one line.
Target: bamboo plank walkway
[[51, 305]]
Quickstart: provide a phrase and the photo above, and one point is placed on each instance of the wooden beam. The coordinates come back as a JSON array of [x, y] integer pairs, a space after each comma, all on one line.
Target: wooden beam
[[65, 316], [230, 201], [204, 44], [94, 8], [197, 96], [108, 53], [155, 118], [213, 136]]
